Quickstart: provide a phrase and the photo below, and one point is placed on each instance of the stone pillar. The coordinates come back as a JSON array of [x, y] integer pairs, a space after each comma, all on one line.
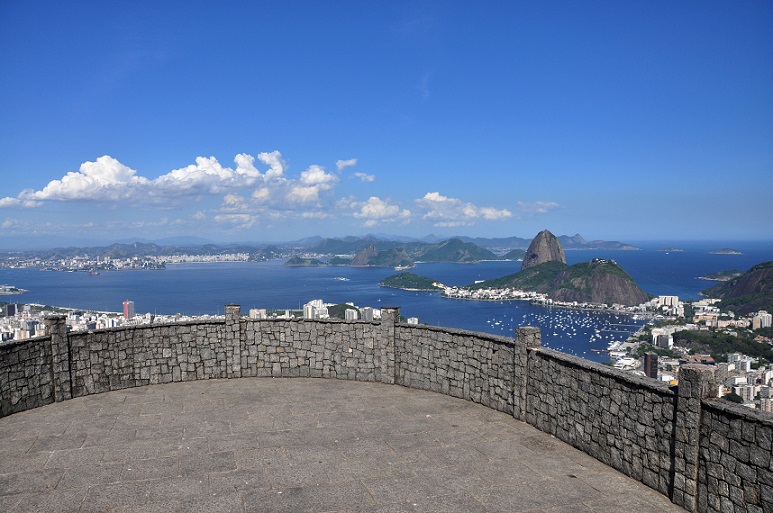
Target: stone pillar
[[56, 327], [526, 339], [233, 340], [696, 382], [390, 318]]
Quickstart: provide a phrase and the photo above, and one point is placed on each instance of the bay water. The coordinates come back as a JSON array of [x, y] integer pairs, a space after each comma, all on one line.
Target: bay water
[[197, 289]]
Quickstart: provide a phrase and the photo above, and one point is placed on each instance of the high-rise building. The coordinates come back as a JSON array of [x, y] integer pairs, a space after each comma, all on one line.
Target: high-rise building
[[762, 319], [651, 365], [128, 309], [10, 309], [351, 314]]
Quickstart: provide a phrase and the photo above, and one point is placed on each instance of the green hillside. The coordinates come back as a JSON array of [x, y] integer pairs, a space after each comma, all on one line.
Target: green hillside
[[409, 281]]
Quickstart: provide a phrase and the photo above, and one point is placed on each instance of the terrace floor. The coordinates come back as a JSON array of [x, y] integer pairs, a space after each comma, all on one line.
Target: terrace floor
[[262, 444]]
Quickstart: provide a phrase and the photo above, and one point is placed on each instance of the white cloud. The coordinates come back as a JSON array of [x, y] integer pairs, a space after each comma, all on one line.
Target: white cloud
[[365, 177], [343, 164], [450, 212], [537, 207], [234, 202], [275, 163], [106, 179], [302, 195], [109, 181], [262, 195], [376, 210], [317, 175], [239, 221], [10, 202]]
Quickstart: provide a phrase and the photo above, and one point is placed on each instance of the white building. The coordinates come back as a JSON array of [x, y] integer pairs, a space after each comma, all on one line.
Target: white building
[[762, 319]]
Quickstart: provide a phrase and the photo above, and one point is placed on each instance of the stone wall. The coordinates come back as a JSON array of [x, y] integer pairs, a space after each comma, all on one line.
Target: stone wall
[[622, 420], [318, 349], [735, 471], [703, 454], [471, 366], [25, 375], [130, 357]]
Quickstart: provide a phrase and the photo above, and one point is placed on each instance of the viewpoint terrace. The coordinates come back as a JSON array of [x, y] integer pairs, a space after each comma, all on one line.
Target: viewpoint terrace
[[697, 452]]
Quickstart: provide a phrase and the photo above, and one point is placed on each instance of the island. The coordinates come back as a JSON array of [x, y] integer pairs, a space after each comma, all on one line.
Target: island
[[722, 275], [725, 251], [9, 290], [297, 261], [410, 281]]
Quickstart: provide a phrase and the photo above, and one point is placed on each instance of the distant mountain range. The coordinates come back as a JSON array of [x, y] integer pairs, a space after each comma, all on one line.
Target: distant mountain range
[[428, 249]]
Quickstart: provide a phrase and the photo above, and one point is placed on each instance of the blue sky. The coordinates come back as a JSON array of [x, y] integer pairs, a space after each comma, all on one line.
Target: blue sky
[[271, 121]]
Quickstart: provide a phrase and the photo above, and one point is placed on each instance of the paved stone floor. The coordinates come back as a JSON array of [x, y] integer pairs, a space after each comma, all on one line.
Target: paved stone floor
[[253, 445]]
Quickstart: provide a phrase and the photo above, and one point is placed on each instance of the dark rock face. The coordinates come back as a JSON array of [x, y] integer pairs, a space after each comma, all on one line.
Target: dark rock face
[[544, 248], [365, 256]]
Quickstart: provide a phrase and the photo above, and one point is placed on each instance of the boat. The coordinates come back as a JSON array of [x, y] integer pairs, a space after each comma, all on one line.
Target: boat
[[341, 278]]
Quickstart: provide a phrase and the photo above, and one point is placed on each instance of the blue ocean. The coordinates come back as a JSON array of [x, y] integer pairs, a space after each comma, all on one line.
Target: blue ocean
[[195, 289]]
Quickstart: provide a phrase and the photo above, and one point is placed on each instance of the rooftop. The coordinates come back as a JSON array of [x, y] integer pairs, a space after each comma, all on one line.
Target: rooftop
[[296, 444]]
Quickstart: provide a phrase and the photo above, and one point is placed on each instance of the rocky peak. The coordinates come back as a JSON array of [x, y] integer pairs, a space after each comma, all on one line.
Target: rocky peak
[[544, 248]]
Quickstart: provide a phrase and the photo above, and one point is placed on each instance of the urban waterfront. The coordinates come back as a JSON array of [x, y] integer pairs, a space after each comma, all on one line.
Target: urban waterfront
[[198, 289]]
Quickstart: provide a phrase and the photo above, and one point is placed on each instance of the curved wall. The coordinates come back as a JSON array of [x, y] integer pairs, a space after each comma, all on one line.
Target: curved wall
[[703, 454]]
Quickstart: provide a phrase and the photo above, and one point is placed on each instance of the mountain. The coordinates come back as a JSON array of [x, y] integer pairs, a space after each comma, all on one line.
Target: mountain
[[296, 261], [381, 253], [454, 250], [750, 292], [544, 248], [374, 257], [349, 245], [598, 281], [514, 254]]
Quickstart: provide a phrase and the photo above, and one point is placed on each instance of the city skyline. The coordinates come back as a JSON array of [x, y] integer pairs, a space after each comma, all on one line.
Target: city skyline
[[634, 121]]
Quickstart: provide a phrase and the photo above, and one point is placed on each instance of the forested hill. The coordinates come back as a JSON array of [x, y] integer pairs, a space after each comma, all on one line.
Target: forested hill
[[750, 292], [598, 281]]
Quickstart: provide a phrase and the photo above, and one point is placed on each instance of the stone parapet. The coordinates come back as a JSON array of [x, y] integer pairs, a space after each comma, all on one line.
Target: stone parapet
[[703, 454]]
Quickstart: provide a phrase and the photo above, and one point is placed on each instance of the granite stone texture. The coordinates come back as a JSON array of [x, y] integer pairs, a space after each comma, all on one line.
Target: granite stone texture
[[700, 453]]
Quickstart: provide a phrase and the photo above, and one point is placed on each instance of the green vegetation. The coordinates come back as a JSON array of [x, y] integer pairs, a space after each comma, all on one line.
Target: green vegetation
[[597, 281], [297, 261], [747, 293], [539, 278], [454, 250], [409, 281], [747, 303], [719, 343], [649, 348], [733, 398], [515, 254], [339, 311], [339, 261]]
